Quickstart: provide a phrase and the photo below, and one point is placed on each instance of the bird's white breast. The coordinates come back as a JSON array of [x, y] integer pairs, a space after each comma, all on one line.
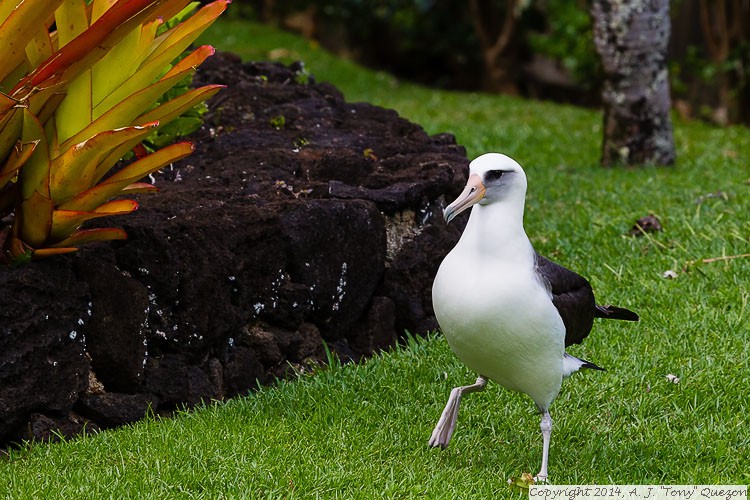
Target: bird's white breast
[[500, 321]]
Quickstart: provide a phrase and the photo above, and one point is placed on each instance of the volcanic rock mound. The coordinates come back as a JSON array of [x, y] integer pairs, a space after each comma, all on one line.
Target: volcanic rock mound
[[300, 219]]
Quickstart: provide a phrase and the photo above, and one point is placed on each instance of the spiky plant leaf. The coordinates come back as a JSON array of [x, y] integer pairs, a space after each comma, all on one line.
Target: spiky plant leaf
[[169, 45], [11, 125], [66, 222], [15, 161], [112, 186], [19, 26], [125, 112], [85, 236], [90, 46], [172, 109], [83, 164], [35, 212], [74, 101]]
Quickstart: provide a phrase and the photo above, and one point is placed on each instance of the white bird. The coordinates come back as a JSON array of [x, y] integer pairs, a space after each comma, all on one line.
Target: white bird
[[507, 312]]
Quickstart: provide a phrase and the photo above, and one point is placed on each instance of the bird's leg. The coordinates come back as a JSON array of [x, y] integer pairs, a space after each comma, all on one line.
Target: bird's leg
[[441, 436], [546, 427]]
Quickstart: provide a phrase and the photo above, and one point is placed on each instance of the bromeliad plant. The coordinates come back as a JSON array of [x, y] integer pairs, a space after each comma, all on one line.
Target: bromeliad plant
[[80, 85]]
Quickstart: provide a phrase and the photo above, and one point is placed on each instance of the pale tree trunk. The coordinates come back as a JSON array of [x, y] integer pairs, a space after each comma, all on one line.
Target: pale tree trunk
[[631, 39]]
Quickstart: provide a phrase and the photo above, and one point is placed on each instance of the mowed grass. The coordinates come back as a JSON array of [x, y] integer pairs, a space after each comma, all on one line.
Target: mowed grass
[[360, 431]]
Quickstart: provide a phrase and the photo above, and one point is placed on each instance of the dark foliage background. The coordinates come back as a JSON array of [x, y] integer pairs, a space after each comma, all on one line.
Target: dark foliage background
[[549, 52]]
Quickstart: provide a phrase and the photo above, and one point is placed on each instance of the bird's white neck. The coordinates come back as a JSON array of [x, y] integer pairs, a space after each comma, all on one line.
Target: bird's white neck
[[496, 230]]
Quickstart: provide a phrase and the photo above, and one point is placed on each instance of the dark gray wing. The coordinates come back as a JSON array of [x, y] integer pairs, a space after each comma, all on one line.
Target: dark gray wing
[[572, 296]]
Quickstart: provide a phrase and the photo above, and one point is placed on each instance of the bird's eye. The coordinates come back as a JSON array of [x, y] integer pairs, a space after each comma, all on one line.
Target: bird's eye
[[493, 175]]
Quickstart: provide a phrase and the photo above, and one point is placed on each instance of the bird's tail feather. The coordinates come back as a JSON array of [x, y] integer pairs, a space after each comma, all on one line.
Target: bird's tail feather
[[614, 312], [571, 364]]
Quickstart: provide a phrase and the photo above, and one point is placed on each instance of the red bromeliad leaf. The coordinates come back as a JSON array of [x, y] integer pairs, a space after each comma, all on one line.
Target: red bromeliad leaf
[[112, 186], [140, 151]]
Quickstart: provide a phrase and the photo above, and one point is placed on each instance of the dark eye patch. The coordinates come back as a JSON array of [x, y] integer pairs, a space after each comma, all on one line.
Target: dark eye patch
[[494, 175]]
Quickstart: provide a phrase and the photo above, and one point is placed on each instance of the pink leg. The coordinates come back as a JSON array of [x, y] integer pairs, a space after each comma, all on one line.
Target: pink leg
[[546, 427], [441, 436]]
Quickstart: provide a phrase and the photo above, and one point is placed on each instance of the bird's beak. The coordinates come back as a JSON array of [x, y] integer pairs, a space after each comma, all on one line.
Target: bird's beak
[[472, 193]]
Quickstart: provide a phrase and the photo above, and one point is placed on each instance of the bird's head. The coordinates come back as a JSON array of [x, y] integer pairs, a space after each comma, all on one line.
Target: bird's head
[[492, 177]]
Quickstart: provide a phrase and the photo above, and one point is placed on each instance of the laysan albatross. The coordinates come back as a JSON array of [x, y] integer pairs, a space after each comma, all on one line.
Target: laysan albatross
[[507, 312]]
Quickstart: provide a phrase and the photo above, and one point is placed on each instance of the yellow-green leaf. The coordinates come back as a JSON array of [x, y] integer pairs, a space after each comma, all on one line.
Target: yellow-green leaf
[[139, 187], [80, 166], [35, 174], [169, 8], [66, 222], [46, 103], [170, 45], [15, 161], [90, 46], [88, 235], [44, 253], [137, 170], [187, 31], [71, 20], [34, 218], [6, 7], [117, 66], [19, 27], [11, 126], [39, 48], [124, 113], [74, 113], [177, 106], [99, 7]]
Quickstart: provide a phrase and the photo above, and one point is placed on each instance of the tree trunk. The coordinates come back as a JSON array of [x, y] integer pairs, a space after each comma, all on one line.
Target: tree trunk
[[498, 41], [631, 39]]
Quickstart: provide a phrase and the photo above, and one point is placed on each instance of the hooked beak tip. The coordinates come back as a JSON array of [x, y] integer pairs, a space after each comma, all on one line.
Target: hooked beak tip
[[449, 214]]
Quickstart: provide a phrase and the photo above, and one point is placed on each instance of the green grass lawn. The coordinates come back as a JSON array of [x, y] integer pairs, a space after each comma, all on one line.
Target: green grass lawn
[[361, 431]]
